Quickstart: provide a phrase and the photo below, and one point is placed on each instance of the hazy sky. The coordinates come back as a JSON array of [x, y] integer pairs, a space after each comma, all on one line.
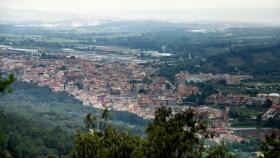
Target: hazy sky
[[264, 11], [113, 6]]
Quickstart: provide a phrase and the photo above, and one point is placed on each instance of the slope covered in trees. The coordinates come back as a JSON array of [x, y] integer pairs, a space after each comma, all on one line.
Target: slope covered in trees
[[253, 60], [35, 121], [169, 136]]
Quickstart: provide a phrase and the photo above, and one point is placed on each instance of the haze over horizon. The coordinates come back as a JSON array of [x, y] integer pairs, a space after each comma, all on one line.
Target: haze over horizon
[[217, 10]]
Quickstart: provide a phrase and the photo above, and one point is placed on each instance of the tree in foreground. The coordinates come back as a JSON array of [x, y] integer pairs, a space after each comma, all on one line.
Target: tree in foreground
[[170, 135], [271, 146], [219, 151], [178, 135], [5, 83], [5, 87], [107, 144]]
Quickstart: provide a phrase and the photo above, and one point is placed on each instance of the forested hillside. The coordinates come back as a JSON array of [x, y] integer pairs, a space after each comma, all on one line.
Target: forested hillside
[[35, 121], [252, 60]]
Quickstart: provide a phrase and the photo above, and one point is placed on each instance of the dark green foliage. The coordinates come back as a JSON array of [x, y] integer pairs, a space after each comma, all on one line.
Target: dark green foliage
[[3, 144], [205, 89], [249, 145], [222, 82], [169, 135], [169, 70], [90, 121], [79, 85], [50, 155], [267, 103], [238, 115], [260, 60], [36, 121], [142, 91], [4, 86], [5, 83], [105, 116], [271, 146], [32, 100], [63, 68], [273, 123], [219, 151], [107, 144], [104, 141], [32, 138], [176, 136]]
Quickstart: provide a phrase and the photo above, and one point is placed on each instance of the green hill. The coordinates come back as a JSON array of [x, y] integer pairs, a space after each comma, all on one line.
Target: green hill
[[35, 120], [249, 60]]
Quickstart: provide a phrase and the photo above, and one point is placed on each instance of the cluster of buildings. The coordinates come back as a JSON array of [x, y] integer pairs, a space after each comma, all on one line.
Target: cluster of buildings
[[222, 134], [184, 76], [241, 99], [128, 87], [120, 86]]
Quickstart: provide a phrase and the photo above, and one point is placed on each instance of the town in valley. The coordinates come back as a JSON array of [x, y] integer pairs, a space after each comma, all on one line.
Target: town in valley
[[162, 83]]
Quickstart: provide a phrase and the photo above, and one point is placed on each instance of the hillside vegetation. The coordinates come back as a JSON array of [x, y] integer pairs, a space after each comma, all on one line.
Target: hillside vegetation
[[35, 120]]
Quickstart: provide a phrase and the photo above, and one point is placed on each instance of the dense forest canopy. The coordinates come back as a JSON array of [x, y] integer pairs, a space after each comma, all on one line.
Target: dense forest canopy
[[35, 121]]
